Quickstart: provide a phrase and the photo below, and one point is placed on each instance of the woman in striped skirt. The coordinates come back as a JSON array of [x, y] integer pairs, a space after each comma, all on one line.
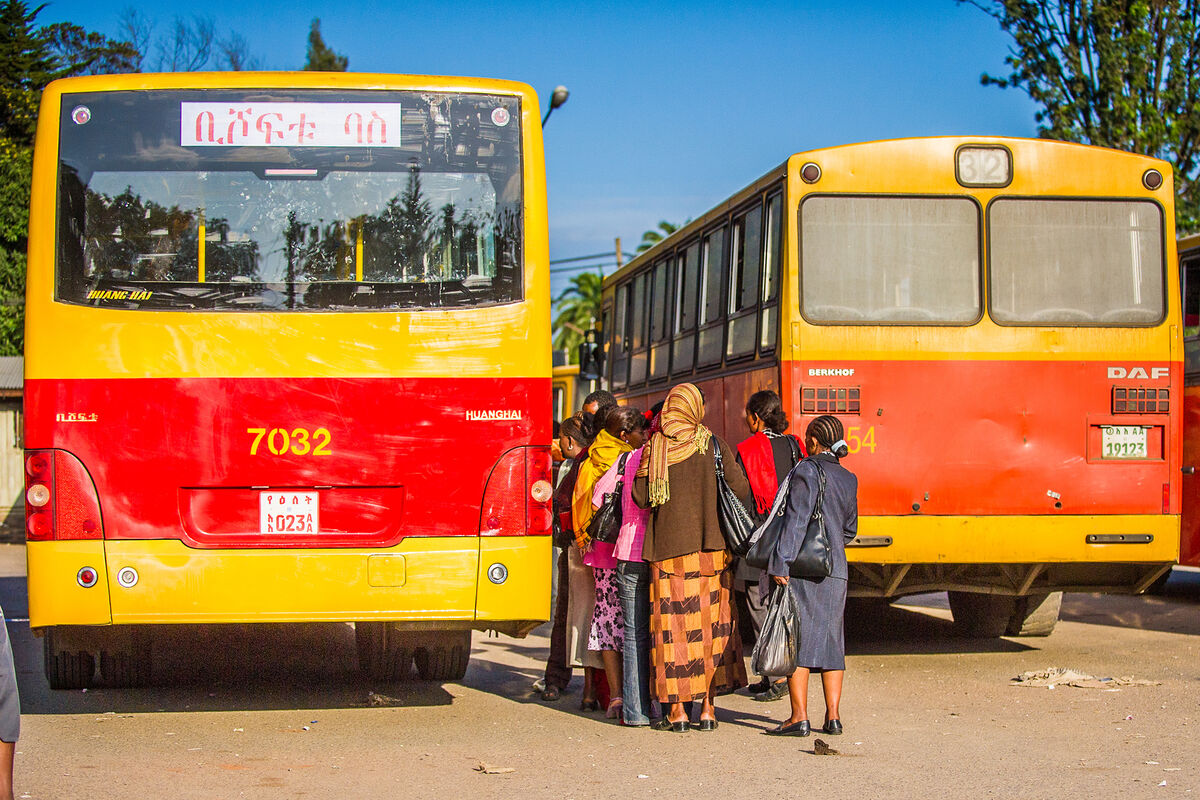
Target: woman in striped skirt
[[695, 648]]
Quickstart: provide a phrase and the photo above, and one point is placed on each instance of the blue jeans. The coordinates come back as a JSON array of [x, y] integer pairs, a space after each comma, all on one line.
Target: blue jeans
[[633, 588]]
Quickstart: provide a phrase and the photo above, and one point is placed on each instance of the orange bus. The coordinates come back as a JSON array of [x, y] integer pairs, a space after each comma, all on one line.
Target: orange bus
[[287, 360], [993, 321]]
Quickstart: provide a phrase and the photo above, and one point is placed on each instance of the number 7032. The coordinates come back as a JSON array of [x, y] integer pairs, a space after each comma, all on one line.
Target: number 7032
[[298, 441]]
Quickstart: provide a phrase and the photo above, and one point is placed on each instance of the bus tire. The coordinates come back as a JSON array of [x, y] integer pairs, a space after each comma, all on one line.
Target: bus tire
[[126, 661], [66, 670], [984, 616], [1035, 615], [384, 653], [445, 657]]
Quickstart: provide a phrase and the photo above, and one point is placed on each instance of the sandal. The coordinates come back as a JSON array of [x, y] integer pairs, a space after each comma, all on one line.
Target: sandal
[[614, 708], [589, 705], [551, 693]]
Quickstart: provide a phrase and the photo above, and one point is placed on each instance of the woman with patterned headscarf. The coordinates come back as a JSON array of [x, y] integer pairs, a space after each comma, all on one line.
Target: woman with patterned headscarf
[[695, 647]]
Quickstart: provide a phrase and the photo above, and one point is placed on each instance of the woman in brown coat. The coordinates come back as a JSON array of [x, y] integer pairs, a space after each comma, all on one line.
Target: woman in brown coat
[[695, 647]]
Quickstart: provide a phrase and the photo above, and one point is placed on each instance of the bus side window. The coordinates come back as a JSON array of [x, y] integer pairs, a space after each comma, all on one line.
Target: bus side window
[[687, 274], [744, 271], [606, 336], [712, 276], [772, 246], [620, 348], [1191, 315], [639, 319], [660, 316]]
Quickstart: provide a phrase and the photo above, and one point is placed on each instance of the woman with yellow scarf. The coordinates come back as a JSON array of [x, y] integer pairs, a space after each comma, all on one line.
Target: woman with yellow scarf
[[695, 646], [605, 450]]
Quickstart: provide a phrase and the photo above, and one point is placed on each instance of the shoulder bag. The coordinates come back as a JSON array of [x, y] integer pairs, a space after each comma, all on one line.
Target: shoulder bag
[[605, 524], [815, 559], [736, 523]]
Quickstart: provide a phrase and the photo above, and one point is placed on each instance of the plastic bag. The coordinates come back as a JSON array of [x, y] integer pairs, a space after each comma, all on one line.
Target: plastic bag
[[778, 645]]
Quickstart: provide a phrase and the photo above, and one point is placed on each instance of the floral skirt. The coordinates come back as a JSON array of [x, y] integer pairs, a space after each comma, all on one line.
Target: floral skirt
[[608, 623]]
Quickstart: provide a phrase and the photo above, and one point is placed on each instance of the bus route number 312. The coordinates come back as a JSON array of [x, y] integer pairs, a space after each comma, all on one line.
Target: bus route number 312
[[297, 441]]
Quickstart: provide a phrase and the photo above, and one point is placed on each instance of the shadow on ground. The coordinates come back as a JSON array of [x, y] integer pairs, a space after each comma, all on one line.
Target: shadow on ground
[[1173, 609]]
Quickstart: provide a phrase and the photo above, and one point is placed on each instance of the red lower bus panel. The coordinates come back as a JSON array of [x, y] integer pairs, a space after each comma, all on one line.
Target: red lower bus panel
[[389, 458], [993, 437]]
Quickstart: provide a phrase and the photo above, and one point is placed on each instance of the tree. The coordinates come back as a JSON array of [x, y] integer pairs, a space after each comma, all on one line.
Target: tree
[[320, 57], [1115, 73], [81, 52], [26, 66], [656, 235], [579, 311]]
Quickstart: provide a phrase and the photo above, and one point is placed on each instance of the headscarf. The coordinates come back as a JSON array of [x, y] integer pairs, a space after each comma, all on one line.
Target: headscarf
[[603, 453], [683, 434]]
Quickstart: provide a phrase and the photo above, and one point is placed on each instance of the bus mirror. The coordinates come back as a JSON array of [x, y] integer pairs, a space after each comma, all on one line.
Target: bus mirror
[[591, 357]]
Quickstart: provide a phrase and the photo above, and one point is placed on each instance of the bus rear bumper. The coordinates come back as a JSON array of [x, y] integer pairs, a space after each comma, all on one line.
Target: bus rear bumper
[[427, 582], [1013, 555]]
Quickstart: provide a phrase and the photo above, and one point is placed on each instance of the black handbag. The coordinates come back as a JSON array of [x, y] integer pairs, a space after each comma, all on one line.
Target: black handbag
[[815, 559], [605, 524], [736, 523]]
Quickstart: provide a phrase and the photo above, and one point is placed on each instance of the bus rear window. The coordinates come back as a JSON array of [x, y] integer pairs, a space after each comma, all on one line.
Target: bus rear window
[[157, 210], [899, 260], [1076, 262]]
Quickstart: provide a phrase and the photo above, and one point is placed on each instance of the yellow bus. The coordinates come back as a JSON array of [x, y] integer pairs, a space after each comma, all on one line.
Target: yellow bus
[[287, 360], [995, 324]]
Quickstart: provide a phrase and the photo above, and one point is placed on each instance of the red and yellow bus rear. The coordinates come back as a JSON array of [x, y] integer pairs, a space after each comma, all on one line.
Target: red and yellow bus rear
[[994, 323], [287, 360]]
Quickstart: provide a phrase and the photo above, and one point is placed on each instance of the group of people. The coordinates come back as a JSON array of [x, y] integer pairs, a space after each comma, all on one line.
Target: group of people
[[663, 612]]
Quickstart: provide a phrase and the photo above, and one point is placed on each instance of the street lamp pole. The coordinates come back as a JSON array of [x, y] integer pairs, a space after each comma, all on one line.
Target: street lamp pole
[[557, 98]]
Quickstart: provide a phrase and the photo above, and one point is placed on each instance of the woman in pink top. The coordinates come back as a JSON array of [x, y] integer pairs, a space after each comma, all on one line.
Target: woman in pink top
[[631, 578]]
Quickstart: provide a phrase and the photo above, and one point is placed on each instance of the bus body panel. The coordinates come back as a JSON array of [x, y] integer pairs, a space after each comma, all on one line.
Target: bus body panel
[[55, 596], [995, 437]]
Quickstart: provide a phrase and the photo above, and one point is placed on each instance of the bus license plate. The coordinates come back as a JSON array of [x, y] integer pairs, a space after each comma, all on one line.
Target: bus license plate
[[289, 512], [1123, 441]]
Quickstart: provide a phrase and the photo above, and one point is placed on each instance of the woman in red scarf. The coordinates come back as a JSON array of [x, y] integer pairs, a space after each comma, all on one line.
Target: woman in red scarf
[[767, 456]]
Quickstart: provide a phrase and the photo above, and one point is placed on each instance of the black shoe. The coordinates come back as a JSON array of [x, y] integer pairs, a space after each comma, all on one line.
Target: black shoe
[[665, 724], [707, 725], [833, 727], [760, 687], [801, 728], [778, 689]]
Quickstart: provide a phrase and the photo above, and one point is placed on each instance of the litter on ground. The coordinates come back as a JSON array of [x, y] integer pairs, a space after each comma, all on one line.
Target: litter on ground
[[1056, 676]]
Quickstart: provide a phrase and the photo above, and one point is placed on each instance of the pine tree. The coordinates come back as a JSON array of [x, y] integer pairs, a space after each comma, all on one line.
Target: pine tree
[[26, 66], [321, 58]]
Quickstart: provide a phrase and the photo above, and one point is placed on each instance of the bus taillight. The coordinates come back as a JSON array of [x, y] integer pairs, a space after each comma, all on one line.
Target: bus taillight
[[60, 499], [541, 490], [516, 501]]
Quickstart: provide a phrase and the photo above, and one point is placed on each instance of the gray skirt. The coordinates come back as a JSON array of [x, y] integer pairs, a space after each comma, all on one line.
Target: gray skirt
[[822, 622], [10, 703]]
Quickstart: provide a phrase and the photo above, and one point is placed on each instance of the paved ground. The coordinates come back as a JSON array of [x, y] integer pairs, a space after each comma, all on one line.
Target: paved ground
[[275, 712]]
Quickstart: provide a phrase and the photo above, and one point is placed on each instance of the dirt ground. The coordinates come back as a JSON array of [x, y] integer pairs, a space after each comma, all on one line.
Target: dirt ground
[[279, 712]]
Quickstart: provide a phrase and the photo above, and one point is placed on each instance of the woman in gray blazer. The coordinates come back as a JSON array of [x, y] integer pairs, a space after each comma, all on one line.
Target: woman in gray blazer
[[822, 601]]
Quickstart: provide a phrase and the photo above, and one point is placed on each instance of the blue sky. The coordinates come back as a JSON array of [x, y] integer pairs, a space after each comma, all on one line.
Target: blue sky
[[673, 106]]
